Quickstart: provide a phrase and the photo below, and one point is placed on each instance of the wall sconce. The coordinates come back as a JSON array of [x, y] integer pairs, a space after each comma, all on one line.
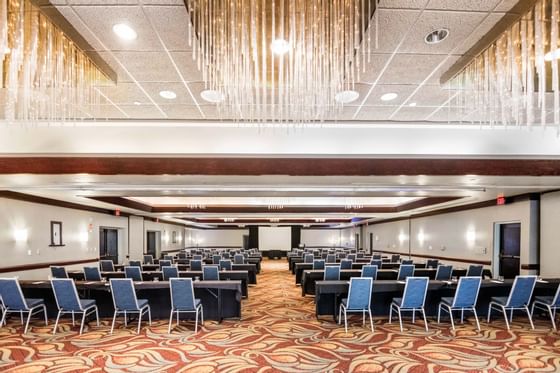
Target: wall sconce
[[421, 237], [20, 235], [84, 237], [471, 236], [402, 237]]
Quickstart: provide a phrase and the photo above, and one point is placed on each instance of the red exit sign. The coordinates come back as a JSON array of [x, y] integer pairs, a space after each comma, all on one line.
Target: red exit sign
[[501, 200]]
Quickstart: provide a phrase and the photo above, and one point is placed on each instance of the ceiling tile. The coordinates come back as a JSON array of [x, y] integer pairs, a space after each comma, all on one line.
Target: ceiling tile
[[125, 93], [107, 112], [403, 92], [179, 111], [431, 95], [373, 68], [403, 4], [187, 66], [183, 95], [487, 24], [450, 60], [393, 26], [171, 24], [144, 111], [73, 18], [399, 71], [144, 66], [474, 5], [375, 113], [506, 5], [412, 113]]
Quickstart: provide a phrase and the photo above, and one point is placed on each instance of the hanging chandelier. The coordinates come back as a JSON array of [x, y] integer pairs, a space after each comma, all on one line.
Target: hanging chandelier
[[280, 60], [515, 80], [44, 76]]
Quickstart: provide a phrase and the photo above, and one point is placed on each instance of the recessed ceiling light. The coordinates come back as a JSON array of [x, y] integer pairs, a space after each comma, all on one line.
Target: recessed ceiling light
[[412, 104], [212, 95], [346, 97], [137, 103], [168, 95], [389, 96], [124, 31], [280, 46], [554, 55], [436, 36], [7, 50]]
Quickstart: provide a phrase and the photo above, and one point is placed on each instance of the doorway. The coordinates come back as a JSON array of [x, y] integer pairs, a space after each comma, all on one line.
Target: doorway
[[109, 244], [357, 241], [508, 247], [371, 243], [152, 243]]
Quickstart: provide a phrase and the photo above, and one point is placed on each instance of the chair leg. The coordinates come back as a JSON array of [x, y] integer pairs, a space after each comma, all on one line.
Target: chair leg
[[113, 323], [97, 315], [170, 321], [363, 317], [370, 319], [139, 321], [125, 319], [476, 318], [390, 313], [530, 318], [549, 311], [424, 316], [413, 315], [400, 319], [345, 321], [56, 323], [45, 313], [201, 315], [505, 317], [73, 319], [451, 318], [489, 312], [149, 316], [27, 323], [4, 318], [339, 314], [462, 315], [439, 313], [83, 322], [196, 322]]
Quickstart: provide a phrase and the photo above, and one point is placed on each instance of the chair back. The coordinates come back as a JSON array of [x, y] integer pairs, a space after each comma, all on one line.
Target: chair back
[[467, 291], [332, 273], [216, 259], [351, 257], [521, 291], [318, 264], [107, 266], [210, 273], [331, 258], [148, 259], [11, 294], [164, 263], [135, 263], [134, 273], [432, 263], [376, 257], [65, 294], [169, 272], [407, 261], [182, 256], [395, 258], [239, 259], [92, 274], [360, 255], [58, 272], [414, 295], [197, 257], [124, 296], [474, 270], [341, 255], [345, 264], [225, 265], [182, 294], [359, 293], [168, 257], [444, 272], [225, 255], [369, 271], [196, 265], [405, 271], [376, 262], [308, 258]]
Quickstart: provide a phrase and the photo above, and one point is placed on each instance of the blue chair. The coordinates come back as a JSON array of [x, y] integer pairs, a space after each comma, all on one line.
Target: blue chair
[[369, 271], [135, 263], [345, 264], [168, 257], [58, 272], [464, 299], [196, 265], [225, 265], [197, 257], [165, 263], [148, 259], [414, 298], [318, 264], [125, 302], [182, 256], [216, 259], [68, 302], [331, 258], [474, 270], [210, 273], [169, 272], [377, 262], [518, 299], [407, 262], [183, 301], [308, 258], [238, 259], [376, 257], [360, 255], [444, 272], [351, 257], [107, 266], [395, 258], [432, 263], [332, 273], [92, 274], [15, 302], [405, 270], [133, 273], [546, 303], [359, 299]]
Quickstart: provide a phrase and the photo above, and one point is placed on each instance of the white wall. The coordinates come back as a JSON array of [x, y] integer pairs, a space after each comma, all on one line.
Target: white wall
[[214, 237], [329, 237], [550, 235], [166, 234]]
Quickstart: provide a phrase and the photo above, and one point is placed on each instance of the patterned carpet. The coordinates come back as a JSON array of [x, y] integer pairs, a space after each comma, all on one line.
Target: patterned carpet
[[279, 333]]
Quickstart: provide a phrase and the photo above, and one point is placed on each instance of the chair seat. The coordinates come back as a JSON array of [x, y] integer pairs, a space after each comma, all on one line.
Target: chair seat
[[397, 301], [499, 300], [447, 300], [544, 299], [142, 303], [196, 304], [87, 303], [34, 302]]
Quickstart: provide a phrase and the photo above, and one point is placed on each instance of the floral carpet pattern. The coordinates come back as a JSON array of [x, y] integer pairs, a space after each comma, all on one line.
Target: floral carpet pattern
[[280, 333]]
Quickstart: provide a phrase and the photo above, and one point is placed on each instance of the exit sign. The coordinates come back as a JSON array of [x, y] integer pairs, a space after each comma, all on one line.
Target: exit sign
[[501, 200]]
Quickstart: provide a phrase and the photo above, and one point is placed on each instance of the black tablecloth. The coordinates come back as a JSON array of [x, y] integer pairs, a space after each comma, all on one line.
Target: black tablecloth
[[250, 268]]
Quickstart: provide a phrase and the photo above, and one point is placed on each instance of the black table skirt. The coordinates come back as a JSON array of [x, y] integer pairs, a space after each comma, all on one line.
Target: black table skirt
[[250, 268]]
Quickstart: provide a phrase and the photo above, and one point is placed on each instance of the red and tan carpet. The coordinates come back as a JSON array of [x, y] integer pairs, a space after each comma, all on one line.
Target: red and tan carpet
[[279, 333]]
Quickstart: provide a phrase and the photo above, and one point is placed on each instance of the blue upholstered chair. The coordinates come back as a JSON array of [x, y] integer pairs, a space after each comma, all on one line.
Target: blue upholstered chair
[[68, 302], [148, 259], [216, 259], [444, 272], [369, 271], [332, 273], [413, 300], [345, 264], [239, 259], [168, 257], [318, 264], [225, 255], [359, 299], [308, 258], [518, 299], [15, 302], [182, 256], [225, 265], [134, 273], [395, 258], [405, 270], [210, 273], [196, 265], [135, 263], [351, 257], [376, 257], [376, 262], [125, 302], [407, 262], [92, 274], [331, 258], [197, 257], [550, 304], [432, 263], [107, 266], [164, 263], [58, 272], [360, 255], [183, 301], [474, 270], [464, 299], [169, 272]]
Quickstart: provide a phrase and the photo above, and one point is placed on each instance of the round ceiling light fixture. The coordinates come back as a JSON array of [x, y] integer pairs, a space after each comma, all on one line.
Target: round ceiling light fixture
[[168, 95], [212, 95], [346, 97], [124, 31], [389, 96], [436, 36], [412, 104], [280, 46]]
